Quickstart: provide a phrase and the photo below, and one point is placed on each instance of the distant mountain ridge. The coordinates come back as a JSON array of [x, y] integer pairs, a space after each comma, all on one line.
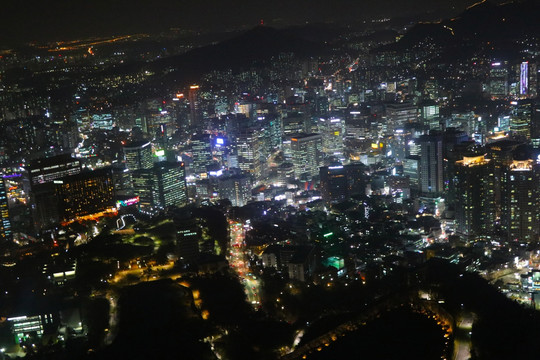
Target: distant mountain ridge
[[501, 25], [249, 48]]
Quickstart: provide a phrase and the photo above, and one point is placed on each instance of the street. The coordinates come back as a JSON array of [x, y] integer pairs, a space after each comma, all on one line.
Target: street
[[239, 262]]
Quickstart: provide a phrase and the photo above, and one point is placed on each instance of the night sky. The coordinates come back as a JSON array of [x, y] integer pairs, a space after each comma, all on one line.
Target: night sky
[[38, 20]]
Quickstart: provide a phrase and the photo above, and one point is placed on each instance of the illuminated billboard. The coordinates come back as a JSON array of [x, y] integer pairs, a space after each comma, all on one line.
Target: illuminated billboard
[[524, 78], [127, 202]]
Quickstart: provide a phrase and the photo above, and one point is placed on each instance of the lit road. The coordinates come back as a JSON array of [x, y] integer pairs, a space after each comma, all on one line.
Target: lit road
[[462, 337], [238, 261]]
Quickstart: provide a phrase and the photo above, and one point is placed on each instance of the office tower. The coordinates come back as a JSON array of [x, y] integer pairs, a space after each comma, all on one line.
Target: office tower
[[399, 186], [123, 184], [285, 173], [187, 238], [143, 185], [43, 173], [357, 121], [431, 164], [410, 169], [334, 186], [520, 193], [295, 123], [236, 188], [332, 131], [85, 194], [431, 89], [339, 182], [48, 169], [501, 153], [248, 151], [138, 155], [456, 144], [525, 80], [399, 114], [521, 119], [429, 113], [356, 178], [194, 108], [201, 151], [498, 80], [271, 124], [306, 155], [169, 184], [5, 224], [475, 196]]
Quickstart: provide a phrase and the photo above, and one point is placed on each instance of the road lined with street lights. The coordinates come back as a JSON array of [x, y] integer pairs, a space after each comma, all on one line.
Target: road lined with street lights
[[239, 261]]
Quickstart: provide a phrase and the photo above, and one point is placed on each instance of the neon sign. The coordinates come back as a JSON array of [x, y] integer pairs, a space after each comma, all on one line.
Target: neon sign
[[128, 202]]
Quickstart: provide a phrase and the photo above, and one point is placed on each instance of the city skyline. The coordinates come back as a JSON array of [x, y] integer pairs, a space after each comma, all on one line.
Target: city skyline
[[276, 181]]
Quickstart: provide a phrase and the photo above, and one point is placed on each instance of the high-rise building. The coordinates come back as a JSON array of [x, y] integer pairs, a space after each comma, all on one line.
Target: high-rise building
[[431, 164], [43, 198], [285, 173], [501, 153], [332, 131], [410, 169], [236, 188], [520, 200], [399, 114], [429, 113], [525, 80], [521, 119], [339, 182], [498, 80], [169, 184], [138, 155], [194, 108], [48, 169], [475, 196], [295, 123], [306, 155], [248, 150], [334, 186], [143, 185], [201, 151], [5, 223], [84, 194]]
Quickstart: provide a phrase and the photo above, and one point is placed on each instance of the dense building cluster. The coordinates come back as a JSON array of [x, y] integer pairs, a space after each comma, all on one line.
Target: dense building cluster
[[329, 167]]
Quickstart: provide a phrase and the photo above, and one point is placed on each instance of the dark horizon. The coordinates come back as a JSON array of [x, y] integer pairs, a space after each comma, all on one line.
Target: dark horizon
[[64, 20]]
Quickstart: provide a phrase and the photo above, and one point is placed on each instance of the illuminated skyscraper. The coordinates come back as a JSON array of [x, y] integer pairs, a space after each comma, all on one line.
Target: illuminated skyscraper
[[48, 169], [194, 109], [332, 131], [5, 225], [399, 114], [201, 151], [475, 196], [138, 155], [431, 164], [526, 80], [169, 184], [236, 188], [143, 185], [498, 80], [429, 113], [85, 194], [520, 216], [334, 186], [306, 154], [248, 150], [521, 119], [295, 122]]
